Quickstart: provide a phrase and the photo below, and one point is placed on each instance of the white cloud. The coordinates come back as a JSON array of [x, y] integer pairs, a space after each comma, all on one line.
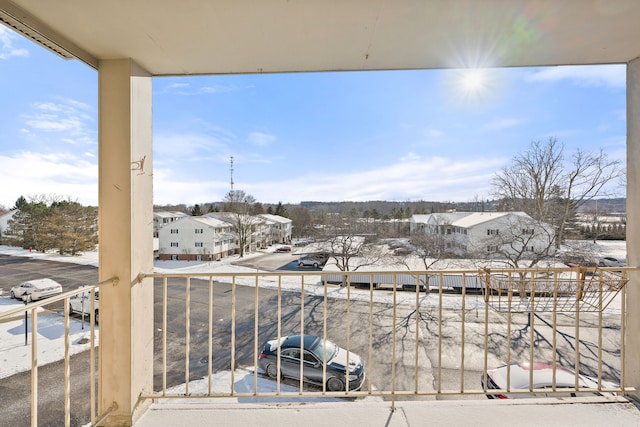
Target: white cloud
[[187, 89], [6, 44], [186, 146], [217, 89], [410, 156], [589, 76], [412, 178], [71, 118], [28, 173], [261, 139], [437, 178]]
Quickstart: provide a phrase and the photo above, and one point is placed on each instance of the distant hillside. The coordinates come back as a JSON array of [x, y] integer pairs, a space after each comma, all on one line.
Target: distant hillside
[[605, 206], [383, 207], [600, 206], [386, 207]]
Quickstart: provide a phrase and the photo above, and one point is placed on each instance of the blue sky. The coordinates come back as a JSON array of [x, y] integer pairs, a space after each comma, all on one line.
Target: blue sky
[[406, 135]]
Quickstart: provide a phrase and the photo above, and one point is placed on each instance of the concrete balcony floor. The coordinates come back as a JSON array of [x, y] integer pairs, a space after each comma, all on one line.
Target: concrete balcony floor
[[581, 412]]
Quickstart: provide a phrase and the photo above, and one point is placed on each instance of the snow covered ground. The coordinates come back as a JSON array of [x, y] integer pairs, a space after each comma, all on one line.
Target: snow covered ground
[[16, 357]]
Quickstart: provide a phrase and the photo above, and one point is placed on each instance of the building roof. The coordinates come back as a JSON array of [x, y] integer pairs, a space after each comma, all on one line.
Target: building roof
[[276, 218], [476, 218], [169, 214], [210, 221], [189, 37], [463, 219]]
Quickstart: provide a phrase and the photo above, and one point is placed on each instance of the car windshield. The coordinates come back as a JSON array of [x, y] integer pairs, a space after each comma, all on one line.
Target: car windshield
[[326, 352]]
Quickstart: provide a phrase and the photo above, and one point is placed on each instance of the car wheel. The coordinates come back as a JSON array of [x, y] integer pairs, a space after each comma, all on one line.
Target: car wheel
[[335, 384], [97, 317], [272, 371], [300, 264], [13, 295], [315, 265], [70, 308]]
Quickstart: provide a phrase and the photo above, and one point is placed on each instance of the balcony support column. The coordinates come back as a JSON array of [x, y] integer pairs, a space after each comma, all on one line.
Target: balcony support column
[[632, 330], [125, 216]]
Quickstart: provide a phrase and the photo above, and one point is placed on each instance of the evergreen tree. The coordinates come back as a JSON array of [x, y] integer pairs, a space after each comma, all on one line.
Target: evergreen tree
[[64, 226], [281, 210], [196, 210]]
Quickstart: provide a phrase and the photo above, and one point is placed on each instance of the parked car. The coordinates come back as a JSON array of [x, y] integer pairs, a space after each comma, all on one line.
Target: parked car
[[402, 251], [542, 379], [36, 289], [609, 261], [311, 351], [309, 262], [315, 261], [284, 249], [80, 303]]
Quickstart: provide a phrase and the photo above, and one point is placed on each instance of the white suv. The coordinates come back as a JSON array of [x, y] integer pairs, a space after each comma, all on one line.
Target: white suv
[[314, 261], [80, 303]]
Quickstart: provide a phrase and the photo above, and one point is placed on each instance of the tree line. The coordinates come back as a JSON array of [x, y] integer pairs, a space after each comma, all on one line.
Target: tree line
[[48, 223]]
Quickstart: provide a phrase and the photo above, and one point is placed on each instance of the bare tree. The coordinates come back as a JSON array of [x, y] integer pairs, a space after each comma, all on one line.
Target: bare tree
[[521, 243], [349, 252], [301, 221], [242, 209], [549, 187], [431, 248], [346, 247]]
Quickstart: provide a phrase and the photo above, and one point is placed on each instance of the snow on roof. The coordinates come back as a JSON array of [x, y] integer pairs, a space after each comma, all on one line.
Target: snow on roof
[[210, 221], [169, 214], [275, 218], [480, 217], [462, 219]]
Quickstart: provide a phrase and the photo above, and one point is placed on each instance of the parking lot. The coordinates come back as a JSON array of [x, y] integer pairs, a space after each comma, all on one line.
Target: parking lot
[[397, 336]]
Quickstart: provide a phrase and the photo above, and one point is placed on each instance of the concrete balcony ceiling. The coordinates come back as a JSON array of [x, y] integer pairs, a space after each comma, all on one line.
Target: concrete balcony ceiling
[[190, 37]]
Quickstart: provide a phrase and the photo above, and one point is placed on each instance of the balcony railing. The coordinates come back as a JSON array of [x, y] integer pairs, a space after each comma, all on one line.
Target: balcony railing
[[429, 334], [420, 335], [31, 312]]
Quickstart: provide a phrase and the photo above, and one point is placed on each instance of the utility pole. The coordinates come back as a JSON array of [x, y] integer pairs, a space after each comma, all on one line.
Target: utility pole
[[231, 170]]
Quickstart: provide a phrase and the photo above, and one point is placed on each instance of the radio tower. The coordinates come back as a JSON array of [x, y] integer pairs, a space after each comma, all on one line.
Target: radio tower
[[231, 170]]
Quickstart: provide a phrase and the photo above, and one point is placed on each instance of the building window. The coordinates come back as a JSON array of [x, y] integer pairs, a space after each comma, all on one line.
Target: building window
[[174, 231], [199, 244], [529, 249], [199, 231], [527, 231], [492, 248], [174, 257], [174, 244], [492, 232]]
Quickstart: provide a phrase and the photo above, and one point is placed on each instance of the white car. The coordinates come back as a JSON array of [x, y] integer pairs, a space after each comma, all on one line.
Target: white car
[[610, 261], [80, 304], [565, 381], [33, 290], [314, 262]]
